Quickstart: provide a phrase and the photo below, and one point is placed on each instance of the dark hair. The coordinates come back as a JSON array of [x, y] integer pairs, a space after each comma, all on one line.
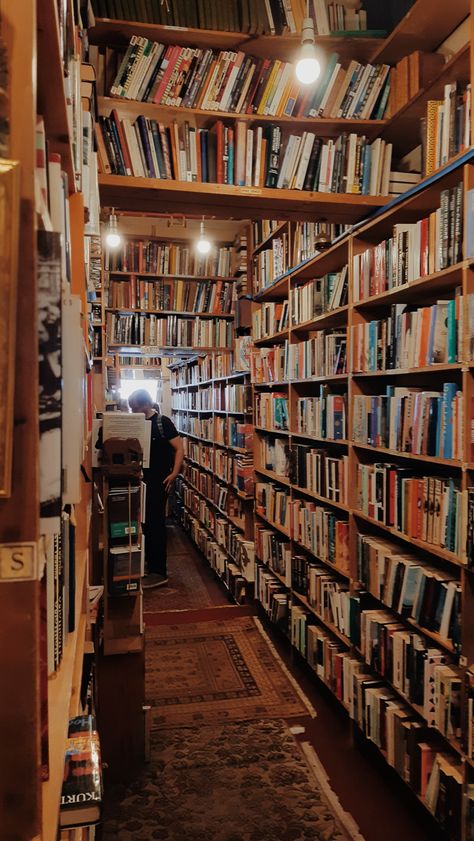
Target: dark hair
[[140, 397]]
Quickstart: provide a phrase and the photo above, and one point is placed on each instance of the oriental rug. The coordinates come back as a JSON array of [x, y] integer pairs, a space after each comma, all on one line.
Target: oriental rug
[[225, 670], [234, 781]]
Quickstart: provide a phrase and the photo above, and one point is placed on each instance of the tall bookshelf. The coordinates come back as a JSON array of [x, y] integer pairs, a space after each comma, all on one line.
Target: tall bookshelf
[[343, 500], [216, 436], [30, 799]]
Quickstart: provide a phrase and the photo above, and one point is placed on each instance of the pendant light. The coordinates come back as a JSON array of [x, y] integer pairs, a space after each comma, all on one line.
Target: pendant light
[[308, 67], [203, 245], [113, 238]]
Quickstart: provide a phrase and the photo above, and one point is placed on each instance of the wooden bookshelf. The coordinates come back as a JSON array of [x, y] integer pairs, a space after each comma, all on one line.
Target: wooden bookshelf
[[324, 127], [424, 291], [225, 200]]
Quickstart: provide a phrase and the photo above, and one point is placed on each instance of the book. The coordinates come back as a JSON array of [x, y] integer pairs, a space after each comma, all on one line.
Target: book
[[81, 795]]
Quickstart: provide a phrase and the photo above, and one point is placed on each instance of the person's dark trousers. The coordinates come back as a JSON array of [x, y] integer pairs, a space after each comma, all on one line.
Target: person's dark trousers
[[155, 530]]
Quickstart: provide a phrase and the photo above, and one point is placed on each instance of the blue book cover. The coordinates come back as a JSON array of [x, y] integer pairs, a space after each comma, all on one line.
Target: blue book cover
[[449, 393], [438, 424], [407, 598], [469, 224]]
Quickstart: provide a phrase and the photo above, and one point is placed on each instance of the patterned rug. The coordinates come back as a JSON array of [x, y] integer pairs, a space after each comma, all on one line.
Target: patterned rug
[[217, 671], [239, 781], [187, 588]]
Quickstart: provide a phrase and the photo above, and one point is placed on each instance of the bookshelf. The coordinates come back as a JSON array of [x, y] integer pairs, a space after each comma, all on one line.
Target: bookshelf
[[277, 465], [211, 473], [31, 779]]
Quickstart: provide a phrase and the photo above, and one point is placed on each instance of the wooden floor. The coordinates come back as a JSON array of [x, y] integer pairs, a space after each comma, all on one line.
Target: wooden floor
[[379, 802]]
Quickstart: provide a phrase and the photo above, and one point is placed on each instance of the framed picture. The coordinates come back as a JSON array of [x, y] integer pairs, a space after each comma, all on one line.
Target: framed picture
[[9, 224]]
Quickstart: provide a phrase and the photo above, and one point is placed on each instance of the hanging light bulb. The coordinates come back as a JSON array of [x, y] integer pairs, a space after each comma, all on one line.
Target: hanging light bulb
[[308, 67], [113, 238], [203, 244]]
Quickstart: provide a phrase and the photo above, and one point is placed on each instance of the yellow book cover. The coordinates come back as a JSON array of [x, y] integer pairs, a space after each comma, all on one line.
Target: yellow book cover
[[432, 110], [268, 87]]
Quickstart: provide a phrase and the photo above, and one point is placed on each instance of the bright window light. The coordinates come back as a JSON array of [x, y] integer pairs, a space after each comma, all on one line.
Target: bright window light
[[127, 387]]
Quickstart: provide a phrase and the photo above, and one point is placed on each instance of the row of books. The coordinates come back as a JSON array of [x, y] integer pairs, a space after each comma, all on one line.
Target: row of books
[[307, 235], [415, 250], [244, 474], [271, 263], [243, 16], [269, 318], [273, 596], [232, 397], [200, 454], [177, 295], [273, 454], [323, 416], [202, 369], [325, 355], [319, 296], [321, 531], [215, 493], [242, 156], [262, 229], [409, 337], [320, 472], [168, 331], [168, 258], [216, 555], [273, 550], [416, 590], [448, 126], [418, 670], [272, 502], [408, 745], [58, 591], [124, 361], [411, 421], [427, 508], [235, 82], [271, 410]]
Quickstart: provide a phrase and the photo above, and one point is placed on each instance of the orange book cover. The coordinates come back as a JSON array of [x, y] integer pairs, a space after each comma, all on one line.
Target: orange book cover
[[426, 315]]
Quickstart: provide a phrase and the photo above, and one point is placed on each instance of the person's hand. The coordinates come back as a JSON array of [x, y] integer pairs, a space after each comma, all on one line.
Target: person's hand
[[168, 482]]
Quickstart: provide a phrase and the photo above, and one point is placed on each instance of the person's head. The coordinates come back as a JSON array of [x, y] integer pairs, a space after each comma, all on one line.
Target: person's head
[[140, 401]]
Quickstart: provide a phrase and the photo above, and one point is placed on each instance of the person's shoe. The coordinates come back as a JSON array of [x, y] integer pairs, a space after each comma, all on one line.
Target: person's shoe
[[153, 579]]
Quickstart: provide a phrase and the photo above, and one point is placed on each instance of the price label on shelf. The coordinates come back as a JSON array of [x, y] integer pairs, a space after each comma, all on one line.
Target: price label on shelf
[[18, 562]]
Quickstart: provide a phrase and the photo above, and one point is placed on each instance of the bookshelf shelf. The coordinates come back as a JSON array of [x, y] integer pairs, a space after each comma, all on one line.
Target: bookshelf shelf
[[431, 548], [324, 127], [329, 565], [434, 369], [327, 319], [454, 464], [119, 32], [214, 278], [332, 628], [223, 200], [130, 349], [332, 259], [323, 499], [282, 480], [431, 284], [277, 338], [180, 313], [272, 524], [404, 125], [276, 291], [284, 432], [424, 27], [343, 442]]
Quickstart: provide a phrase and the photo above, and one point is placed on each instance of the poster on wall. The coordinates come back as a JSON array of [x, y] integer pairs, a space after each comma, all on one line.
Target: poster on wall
[[9, 225], [50, 378]]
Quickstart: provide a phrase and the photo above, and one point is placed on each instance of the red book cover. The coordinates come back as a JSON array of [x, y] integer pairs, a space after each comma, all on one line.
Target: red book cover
[[257, 76]]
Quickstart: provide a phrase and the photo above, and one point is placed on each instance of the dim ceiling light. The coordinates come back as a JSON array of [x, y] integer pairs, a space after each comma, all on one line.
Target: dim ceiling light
[[308, 67], [113, 238], [203, 244]]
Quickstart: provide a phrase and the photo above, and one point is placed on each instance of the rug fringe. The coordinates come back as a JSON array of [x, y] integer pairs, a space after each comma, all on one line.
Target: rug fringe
[[303, 697], [345, 818]]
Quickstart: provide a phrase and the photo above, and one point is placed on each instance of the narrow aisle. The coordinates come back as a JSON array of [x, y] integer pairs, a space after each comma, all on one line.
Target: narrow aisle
[[225, 765]]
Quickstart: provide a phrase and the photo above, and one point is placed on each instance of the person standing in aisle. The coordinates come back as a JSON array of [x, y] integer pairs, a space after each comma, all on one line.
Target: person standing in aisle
[[166, 458]]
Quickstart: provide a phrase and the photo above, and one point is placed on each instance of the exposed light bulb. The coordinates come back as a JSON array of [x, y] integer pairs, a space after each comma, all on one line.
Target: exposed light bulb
[[203, 245], [113, 238], [308, 68]]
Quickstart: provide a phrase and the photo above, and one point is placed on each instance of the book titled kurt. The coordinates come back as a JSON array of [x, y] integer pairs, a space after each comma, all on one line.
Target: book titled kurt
[[81, 796]]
